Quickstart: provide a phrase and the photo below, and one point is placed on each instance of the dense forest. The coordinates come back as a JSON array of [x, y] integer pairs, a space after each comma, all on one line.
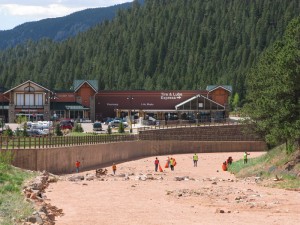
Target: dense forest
[[164, 44]]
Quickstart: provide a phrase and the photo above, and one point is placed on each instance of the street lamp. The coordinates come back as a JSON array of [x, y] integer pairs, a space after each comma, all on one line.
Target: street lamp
[[52, 114], [130, 98]]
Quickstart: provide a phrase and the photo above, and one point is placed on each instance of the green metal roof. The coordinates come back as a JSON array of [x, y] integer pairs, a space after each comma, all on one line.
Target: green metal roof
[[92, 83], [75, 107], [211, 87], [67, 106]]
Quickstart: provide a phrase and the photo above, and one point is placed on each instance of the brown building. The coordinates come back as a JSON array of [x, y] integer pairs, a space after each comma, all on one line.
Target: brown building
[[86, 102]]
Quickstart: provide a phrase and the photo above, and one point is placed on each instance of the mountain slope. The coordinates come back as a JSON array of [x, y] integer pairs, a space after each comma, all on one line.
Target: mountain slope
[[61, 28]]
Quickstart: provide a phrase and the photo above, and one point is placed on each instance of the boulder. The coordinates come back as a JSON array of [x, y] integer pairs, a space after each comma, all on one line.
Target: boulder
[[76, 178]]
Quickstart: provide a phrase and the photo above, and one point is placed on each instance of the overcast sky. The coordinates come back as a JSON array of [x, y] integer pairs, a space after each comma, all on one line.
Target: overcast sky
[[16, 12]]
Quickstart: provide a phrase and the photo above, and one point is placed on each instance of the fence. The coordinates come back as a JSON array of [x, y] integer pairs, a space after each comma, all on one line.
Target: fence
[[185, 124], [57, 141], [178, 132]]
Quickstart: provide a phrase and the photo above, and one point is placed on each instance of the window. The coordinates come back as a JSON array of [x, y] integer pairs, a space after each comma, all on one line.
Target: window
[[38, 99], [29, 89], [20, 99], [29, 99]]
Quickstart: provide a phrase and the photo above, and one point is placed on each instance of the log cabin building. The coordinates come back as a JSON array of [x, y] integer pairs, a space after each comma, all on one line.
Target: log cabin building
[[86, 102]]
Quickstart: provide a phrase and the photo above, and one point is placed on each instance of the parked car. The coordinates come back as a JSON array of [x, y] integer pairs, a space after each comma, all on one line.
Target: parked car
[[36, 133], [108, 120], [66, 124], [116, 123], [36, 126], [151, 120], [97, 126]]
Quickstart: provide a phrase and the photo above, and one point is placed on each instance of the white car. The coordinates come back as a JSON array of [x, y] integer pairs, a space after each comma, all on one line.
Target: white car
[[116, 123]]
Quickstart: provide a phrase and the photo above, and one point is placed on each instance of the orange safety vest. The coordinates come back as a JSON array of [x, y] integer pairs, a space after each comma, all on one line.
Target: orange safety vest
[[224, 167], [174, 162]]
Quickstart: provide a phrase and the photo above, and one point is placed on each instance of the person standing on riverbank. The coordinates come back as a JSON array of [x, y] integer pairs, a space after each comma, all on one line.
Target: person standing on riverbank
[[156, 162], [114, 168], [77, 165], [246, 157], [195, 159]]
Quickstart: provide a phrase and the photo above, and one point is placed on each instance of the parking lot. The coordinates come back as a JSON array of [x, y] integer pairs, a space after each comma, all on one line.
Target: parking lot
[[87, 127]]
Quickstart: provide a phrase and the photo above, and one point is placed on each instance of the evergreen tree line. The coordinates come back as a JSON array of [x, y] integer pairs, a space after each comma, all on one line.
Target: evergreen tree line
[[164, 44], [273, 91]]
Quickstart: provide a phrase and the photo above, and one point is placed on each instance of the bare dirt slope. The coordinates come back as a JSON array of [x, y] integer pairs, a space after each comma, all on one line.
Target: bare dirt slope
[[207, 195]]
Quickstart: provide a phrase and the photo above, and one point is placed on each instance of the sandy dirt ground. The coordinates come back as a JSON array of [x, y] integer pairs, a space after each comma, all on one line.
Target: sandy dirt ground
[[139, 195]]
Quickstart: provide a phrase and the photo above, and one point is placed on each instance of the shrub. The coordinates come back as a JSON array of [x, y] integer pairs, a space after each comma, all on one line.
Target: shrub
[[77, 128], [6, 158], [25, 134], [121, 128], [58, 131], [18, 132], [109, 131], [8, 132], [21, 119]]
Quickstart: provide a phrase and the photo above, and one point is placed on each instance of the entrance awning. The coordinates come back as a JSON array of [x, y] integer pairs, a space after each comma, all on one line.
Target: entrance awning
[[67, 106], [76, 107]]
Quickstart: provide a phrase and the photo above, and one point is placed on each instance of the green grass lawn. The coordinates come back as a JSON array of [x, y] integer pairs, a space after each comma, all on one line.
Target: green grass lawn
[[12, 204]]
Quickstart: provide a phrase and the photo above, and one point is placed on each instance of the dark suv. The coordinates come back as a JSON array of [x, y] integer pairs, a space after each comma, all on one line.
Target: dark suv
[[97, 126]]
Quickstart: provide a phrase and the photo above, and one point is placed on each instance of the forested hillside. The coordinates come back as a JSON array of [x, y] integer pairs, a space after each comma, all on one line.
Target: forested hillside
[[165, 44]]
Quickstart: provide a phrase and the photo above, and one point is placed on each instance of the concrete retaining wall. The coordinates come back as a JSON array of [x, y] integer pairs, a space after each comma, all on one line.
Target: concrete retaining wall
[[62, 160]]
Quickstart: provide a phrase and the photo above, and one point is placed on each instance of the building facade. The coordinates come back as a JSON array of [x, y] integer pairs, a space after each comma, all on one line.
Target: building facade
[[86, 102]]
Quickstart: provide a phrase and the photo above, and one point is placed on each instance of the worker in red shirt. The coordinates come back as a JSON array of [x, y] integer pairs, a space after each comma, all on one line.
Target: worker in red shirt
[[156, 162], [77, 165]]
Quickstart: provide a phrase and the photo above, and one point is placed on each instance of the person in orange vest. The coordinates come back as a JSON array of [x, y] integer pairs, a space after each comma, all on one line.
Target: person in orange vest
[[172, 163], [167, 163], [114, 168], [224, 166], [77, 165]]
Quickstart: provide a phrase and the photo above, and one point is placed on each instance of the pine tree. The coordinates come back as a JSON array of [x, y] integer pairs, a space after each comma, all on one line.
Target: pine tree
[[273, 99]]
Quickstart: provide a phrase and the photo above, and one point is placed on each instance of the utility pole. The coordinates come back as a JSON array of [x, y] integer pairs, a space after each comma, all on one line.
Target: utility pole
[[130, 98], [2, 112]]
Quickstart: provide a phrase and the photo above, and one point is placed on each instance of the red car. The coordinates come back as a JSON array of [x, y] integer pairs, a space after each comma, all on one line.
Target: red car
[[66, 124]]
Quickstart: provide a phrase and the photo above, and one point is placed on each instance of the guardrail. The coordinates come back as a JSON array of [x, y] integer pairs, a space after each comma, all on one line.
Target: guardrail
[[60, 141], [183, 124], [186, 135]]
